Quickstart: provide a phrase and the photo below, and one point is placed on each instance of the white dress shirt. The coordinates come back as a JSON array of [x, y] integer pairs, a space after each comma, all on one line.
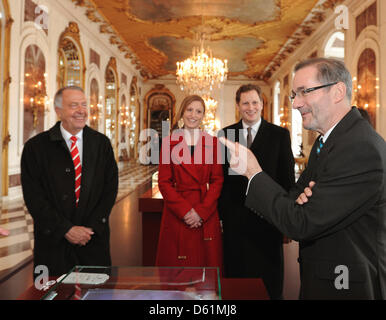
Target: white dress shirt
[[325, 136], [79, 142]]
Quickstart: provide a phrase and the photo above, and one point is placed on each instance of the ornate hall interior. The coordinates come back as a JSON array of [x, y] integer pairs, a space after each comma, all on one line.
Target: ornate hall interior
[[125, 53]]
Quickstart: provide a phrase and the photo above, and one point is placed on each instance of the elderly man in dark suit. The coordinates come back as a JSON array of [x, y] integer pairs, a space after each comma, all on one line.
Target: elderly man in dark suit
[[70, 179], [253, 248], [338, 209]]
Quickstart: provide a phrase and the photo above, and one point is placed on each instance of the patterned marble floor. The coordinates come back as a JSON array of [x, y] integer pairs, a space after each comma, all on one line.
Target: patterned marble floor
[[16, 249]]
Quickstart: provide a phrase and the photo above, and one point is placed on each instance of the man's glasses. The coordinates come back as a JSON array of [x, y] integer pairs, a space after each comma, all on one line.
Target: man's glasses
[[303, 92]]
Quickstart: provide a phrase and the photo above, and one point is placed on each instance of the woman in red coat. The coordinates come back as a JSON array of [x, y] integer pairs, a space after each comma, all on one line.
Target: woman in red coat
[[190, 179]]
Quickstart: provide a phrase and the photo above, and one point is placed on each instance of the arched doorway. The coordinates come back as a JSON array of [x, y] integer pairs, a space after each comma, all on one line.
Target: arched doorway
[[71, 65], [366, 95], [160, 106], [335, 46], [35, 95]]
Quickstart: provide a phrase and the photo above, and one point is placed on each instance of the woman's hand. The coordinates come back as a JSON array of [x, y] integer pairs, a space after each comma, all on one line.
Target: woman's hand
[[192, 219]]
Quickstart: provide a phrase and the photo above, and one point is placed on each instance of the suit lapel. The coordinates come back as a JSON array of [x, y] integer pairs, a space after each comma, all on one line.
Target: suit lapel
[[234, 133], [313, 162], [56, 135], [204, 152], [316, 161], [259, 139], [240, 134], [261, 136], [348, 120], [186, 161], [88, 167]]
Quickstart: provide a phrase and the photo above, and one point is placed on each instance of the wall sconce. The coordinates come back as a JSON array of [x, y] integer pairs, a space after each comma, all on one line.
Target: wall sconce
[[95, 112], [35, 98], [38, 101], [124, 115]]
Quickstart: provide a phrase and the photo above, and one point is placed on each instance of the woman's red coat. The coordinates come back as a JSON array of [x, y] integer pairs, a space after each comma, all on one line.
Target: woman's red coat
[[186, 182]]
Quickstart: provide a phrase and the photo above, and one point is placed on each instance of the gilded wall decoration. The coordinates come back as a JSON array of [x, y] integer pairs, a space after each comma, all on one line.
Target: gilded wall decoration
[[5, 44], [94, 104], [367, 18], [134, 118]]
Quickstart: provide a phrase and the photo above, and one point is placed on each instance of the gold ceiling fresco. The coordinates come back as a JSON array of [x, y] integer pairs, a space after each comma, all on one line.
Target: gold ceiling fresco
[[256, 36]]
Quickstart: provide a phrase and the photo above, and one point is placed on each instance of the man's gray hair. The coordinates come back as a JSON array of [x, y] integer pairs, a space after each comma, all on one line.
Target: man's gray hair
[[329, 70], [59, 94]]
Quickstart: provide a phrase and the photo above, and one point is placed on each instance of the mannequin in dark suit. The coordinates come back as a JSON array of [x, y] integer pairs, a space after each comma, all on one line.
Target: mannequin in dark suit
[[341, 222], [67, 234], [252, 247]]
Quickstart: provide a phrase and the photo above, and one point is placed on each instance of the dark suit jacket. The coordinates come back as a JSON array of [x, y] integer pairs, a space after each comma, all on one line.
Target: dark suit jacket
[[253, 247], [344, 221], [48, 180]]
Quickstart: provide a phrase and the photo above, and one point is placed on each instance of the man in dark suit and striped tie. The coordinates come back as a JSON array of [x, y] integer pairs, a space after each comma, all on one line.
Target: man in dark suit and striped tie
[[70, 179], [337, 211]]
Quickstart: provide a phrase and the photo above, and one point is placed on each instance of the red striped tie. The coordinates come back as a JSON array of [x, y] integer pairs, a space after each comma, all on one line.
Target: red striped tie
[[78, 167]]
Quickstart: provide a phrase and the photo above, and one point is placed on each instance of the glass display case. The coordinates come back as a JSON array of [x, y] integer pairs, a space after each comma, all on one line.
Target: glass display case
[[137, 283]]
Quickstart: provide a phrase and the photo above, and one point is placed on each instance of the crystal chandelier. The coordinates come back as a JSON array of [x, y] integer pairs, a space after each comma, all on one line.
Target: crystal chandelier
[[210, 122], [201, 72]]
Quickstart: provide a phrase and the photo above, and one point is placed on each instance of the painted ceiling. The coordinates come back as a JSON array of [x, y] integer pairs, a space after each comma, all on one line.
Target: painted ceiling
[[255, 36]]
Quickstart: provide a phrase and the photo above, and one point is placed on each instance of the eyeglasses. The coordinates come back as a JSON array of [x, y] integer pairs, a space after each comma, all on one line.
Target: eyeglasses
[[303, 92]]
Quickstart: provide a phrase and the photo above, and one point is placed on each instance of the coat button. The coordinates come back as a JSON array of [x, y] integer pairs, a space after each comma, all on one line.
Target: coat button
[[68, 170], [64, 197], [104, 220]]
